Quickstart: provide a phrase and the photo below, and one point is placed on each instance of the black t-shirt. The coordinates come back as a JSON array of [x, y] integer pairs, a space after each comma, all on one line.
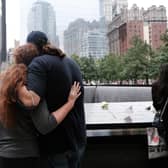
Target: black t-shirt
[[51, 77]]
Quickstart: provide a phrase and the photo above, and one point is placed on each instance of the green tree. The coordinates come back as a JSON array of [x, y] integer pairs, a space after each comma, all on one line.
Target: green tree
[[159, 57], [77, 59], [88, 67], [136, 61], [108, 68]]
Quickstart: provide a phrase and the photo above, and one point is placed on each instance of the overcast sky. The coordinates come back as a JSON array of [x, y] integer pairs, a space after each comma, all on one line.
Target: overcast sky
[[66, 11]]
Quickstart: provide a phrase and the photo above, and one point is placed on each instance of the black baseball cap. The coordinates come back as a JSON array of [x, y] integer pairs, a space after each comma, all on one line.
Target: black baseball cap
[[38, 38]]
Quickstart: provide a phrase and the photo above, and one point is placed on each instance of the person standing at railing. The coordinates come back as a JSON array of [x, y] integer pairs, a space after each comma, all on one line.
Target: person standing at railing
[[50, 78], [160, 88], [160, 92], [19, 128]]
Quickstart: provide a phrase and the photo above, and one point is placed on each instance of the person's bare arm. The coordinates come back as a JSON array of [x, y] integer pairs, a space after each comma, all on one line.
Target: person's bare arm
[[35, 83], [45, 121], [25, 96]]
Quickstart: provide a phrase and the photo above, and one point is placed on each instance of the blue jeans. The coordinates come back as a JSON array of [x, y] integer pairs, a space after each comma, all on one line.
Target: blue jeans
[[68, 159]]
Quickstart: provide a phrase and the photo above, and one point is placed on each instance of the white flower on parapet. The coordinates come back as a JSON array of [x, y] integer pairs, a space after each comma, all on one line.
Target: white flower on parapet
[[104, 105]]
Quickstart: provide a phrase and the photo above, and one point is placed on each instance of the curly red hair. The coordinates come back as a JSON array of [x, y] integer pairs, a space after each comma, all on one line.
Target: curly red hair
[[25, 53], [12, 79]]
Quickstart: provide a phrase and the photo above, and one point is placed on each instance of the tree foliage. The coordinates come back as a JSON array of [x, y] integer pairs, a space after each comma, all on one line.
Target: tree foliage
[[139, 63]]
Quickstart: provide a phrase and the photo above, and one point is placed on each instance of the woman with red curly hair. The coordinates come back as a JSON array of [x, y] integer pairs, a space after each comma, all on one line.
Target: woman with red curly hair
[[19, 128]]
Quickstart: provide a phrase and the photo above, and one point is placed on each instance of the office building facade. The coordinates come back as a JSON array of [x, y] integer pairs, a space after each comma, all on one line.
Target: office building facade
[[148, 25], [80, 33], [94, 44], [105, 9], [42, 17]]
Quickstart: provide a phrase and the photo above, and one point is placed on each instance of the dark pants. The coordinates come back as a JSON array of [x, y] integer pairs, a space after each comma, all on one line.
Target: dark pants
[[68, 159], [21, 163]]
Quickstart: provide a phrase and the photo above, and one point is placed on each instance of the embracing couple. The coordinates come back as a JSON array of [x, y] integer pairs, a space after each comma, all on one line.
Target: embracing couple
[[42, 121]]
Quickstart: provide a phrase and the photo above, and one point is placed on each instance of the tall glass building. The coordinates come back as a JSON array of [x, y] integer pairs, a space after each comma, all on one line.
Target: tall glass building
[[105, 7], [42, 17], [93, 44]]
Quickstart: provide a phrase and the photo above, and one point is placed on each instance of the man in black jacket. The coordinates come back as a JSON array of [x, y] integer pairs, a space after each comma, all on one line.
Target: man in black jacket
[[51, 78]]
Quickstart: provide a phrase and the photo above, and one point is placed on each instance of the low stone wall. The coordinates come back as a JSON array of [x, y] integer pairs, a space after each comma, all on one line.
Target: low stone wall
[[117, 93]]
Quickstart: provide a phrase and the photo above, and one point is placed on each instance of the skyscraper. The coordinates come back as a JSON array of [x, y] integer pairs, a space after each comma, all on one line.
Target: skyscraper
[[94, 44], [73, 36], [42, 17], [83, 38], [105, 7]]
